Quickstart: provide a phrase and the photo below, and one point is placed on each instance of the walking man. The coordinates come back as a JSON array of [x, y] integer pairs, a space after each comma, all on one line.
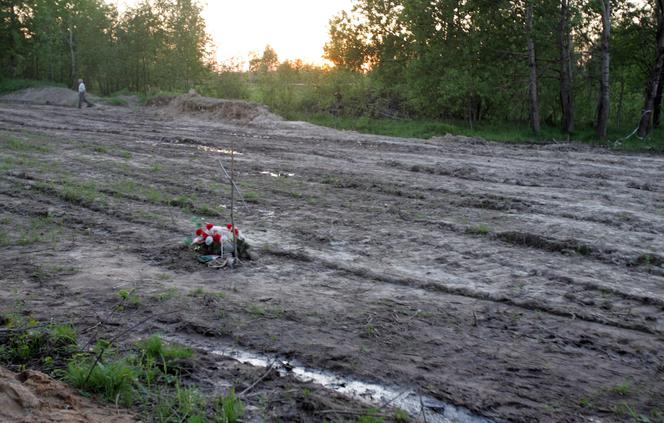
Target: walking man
[[81, 95]]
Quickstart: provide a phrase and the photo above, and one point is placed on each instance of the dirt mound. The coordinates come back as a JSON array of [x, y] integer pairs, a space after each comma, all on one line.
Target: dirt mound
[[35, 397], [47, 95], [209, 108]]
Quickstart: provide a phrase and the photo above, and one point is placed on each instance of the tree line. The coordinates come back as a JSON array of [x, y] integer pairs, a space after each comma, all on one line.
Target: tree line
[[156, 43], [566, 63], [597, 62]]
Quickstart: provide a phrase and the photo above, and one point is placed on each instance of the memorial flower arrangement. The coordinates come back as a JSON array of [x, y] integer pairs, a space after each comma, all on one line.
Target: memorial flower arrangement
[[211, 239]]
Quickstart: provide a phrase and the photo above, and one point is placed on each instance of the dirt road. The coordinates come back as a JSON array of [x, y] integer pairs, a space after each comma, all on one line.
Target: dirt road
[[525, 283]]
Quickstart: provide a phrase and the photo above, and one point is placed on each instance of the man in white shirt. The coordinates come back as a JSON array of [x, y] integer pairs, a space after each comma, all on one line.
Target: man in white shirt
[[81, 95]]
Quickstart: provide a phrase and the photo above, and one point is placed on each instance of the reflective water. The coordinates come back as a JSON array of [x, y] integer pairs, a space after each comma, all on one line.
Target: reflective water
[[373, 394]]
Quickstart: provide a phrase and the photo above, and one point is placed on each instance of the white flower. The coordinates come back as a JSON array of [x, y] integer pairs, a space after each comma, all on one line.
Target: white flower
[[209, 240]]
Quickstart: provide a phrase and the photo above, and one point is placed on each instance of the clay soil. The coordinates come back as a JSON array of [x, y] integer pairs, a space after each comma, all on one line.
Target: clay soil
[[523, 282]]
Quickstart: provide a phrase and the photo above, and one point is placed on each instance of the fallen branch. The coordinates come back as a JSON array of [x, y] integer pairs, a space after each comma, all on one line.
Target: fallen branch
[[259, 380]]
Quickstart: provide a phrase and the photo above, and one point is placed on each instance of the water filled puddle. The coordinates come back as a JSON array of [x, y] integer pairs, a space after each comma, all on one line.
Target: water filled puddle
[[277, 174], [217, 150], [372, 394]]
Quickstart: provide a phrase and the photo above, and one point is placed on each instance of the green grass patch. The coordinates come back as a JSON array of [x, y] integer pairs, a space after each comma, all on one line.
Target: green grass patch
[[9, 85], [145, 375], [505, 132], [167, 295], [37, 230], [114, 379], [251, 197], [14, 144], [229, 408], [115, 101], [28, 344], [84, 193], [128, 187]]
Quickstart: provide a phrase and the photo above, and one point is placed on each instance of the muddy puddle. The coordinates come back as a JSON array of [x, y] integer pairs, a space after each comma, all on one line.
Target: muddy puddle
[[372, 394]]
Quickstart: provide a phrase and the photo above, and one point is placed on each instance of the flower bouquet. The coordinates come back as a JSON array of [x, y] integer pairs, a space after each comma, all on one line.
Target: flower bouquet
[[211, 239]]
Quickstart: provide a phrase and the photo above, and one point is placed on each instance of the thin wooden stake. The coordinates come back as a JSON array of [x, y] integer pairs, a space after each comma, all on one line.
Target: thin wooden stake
[[235, 258]]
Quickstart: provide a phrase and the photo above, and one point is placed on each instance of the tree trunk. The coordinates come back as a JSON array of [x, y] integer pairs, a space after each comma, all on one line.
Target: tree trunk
[[532, 63], [72, 76], [657, 110], [621, 97], [655, 76], [603, 106], [565, 46]]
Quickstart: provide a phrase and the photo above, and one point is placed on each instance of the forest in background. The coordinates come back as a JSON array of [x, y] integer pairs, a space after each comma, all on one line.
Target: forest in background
[[572, 65]]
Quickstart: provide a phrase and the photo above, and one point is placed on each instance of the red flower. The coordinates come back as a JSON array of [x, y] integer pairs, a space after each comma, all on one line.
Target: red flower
[[229, 226], [237, 232], [216, 237], [199, 231], [209, 226]]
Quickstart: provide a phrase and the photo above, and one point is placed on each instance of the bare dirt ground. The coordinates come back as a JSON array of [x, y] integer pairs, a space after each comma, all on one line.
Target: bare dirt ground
[[525, 283], [35, 397]]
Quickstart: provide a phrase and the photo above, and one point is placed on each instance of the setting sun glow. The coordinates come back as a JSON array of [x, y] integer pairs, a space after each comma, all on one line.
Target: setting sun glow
[[296, 29]]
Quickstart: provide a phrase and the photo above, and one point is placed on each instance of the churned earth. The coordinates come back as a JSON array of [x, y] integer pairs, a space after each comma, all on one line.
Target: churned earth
[[522, 282]]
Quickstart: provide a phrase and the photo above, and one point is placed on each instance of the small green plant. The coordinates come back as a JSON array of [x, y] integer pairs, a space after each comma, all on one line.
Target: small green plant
[[370, 330], [256, 310], [251, 197], [229, 408], [480, 229], [583, 250], [112, 379], [623, 388], [371, 416], [129, 298], [154, 347], [401, 415], [197, 292], [169, 294], [124, 154], [189, 402]]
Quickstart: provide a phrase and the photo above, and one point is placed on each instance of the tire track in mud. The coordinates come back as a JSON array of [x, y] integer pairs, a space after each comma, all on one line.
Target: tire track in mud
[[580, 312], [508, 237], [115, 214]]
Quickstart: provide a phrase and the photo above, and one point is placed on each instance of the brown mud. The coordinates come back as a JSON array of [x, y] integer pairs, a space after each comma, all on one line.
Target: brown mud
[[522, 282], [32, 396]]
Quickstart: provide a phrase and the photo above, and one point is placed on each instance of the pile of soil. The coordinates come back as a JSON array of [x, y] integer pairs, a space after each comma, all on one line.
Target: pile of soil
[[48, 95], [209, 108], [32, 396]]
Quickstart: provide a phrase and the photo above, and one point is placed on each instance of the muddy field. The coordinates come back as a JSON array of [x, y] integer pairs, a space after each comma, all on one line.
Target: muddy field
[[524, 283]]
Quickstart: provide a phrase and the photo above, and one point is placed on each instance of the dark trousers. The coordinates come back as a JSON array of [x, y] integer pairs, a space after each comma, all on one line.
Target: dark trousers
[[82, 99]]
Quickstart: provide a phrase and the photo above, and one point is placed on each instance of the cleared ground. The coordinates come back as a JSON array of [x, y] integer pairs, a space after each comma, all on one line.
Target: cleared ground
[[525, 283]]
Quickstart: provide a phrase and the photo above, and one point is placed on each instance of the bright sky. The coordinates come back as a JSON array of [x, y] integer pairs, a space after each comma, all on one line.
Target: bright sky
[[296, 29]]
